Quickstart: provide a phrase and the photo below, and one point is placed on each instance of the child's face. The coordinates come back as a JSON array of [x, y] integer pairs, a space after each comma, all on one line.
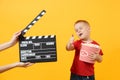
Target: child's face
[[82, 30]]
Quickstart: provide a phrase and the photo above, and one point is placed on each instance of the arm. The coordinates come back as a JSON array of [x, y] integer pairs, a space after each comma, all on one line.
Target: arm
[[99, 58], [70, 45], [5, 46], [13, 41], [10, 66]]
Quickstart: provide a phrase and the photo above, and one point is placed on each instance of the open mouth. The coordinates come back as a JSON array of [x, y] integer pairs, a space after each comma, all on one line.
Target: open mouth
[[80, 34]]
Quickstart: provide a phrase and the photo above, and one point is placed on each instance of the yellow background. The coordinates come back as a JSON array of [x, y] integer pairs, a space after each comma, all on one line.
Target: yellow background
[[103, 15]]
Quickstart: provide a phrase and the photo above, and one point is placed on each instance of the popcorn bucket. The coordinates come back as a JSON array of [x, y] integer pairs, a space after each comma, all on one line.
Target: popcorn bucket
[[86, 50]]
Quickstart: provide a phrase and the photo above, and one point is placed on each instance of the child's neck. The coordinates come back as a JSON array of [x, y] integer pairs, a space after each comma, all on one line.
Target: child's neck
[[88, 40]]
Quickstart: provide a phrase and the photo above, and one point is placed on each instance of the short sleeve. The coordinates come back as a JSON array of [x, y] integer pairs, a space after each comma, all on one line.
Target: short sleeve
[[101, 52], [77, 44]]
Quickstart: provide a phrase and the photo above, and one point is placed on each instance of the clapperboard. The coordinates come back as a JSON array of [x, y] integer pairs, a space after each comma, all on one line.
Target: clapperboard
[[37, 48]]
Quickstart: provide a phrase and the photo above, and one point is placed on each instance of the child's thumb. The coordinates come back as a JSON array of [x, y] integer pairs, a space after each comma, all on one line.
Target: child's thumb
[[72, 38], [72, 35]]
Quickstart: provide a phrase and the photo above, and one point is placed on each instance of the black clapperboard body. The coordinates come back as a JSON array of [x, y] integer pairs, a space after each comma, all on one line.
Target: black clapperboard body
[[37, 48]]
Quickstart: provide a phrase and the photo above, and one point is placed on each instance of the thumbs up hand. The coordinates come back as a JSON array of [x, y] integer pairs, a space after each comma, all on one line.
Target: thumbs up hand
[[70, 45], [71, 39]]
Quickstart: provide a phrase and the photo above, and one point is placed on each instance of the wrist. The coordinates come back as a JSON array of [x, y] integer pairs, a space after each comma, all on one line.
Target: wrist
[[14, 65], [17, 64], [12, 42]]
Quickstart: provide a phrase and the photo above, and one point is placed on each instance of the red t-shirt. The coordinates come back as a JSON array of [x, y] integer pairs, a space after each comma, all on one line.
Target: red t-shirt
[[79, 67]]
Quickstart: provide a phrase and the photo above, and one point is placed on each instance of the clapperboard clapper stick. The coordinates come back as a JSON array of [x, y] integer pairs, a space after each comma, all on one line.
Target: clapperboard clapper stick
[[37, 48]]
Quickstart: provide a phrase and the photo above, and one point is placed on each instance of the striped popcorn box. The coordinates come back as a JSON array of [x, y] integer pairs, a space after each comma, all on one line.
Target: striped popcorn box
[[86, 50]]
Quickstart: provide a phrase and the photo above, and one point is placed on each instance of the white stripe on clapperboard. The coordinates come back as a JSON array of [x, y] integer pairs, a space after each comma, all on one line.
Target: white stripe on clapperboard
[[29, 26], [34, 37], [39, 37], [34, 21], [25, 30]]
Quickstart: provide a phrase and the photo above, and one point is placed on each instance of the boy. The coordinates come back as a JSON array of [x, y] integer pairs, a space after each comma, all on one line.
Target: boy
[[6, 45], [82, 70]]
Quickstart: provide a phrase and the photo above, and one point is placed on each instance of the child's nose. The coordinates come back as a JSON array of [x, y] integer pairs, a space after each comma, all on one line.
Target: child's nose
[[79, 31]]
